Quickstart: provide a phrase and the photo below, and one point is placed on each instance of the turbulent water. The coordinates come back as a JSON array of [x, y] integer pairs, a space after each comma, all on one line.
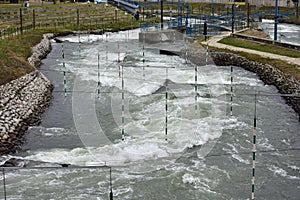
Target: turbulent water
[[289, 33], [205, 153]]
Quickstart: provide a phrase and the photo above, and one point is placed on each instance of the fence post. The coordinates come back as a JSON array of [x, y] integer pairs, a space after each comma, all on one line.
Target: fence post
[[248, 15], [21, 21], [33, 19], [77, 18]]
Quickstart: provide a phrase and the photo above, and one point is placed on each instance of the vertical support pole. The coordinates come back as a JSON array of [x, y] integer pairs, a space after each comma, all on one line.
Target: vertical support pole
[[33, 18], [178, 14], [111, 196], [4, 183], [212, 8], [248, 15], [231, 89], [161, 14], [21, 21], [99, 84], [232, 20], [186, 21], [276, 20], [166, 117], [253, 150], [297, 9]]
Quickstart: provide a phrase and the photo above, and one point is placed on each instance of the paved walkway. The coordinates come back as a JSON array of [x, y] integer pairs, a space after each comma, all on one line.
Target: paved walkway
[[213, 41]]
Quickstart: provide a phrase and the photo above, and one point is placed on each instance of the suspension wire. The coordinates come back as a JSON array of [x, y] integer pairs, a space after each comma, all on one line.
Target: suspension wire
[[251, 152], [236, 94]]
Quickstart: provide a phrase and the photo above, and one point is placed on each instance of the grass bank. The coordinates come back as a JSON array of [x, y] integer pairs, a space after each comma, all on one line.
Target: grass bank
[[14, 50], [237, 42]]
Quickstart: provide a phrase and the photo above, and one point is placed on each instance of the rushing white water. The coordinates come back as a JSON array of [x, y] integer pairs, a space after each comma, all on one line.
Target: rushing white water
[[207, 154], [288, 33]]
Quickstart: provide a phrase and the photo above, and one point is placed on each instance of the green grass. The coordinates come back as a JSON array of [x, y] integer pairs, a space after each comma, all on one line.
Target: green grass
[[260, 47]]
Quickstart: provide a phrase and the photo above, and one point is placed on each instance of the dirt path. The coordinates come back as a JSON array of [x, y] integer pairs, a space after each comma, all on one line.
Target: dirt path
[[214, 43]]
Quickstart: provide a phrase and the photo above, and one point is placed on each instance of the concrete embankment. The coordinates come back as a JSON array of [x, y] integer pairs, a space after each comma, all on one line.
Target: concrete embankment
[[23, 100]]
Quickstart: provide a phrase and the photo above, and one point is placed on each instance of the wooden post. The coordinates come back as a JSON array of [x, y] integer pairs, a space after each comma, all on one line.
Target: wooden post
[[21, 21]]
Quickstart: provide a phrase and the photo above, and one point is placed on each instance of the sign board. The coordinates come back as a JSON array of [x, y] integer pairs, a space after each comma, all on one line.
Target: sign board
[[237, 2]]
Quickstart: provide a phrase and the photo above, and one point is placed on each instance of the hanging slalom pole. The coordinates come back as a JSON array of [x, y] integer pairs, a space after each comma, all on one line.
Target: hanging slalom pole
[[64, 69], [166, 117], [186, 52], [111, 196], [79, 45], [99, 85], [123, 107], [106, 58], [143, 54], [196, 90], [231, 89], [206, 55], [4, 183], [119, 60], [254, 149]]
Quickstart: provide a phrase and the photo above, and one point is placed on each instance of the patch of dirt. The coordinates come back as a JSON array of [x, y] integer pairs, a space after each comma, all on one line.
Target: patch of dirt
[[255, 33]]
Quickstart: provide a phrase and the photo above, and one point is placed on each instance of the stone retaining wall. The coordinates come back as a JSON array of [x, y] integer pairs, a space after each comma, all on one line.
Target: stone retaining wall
[[268, 74], [23, 100]]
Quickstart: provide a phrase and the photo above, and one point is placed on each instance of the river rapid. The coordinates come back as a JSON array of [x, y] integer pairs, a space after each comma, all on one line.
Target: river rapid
[[205, 153]]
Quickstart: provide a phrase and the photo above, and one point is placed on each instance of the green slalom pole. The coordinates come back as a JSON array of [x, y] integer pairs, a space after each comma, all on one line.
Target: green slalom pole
[[123, 106], [196, 90], [253, 151], [64, 69], [206, 55], [231, 89], [166, 108], [99, 84], [143, 54]]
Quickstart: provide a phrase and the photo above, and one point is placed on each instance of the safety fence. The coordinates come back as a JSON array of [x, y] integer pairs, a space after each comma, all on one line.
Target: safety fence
[[17, 20]]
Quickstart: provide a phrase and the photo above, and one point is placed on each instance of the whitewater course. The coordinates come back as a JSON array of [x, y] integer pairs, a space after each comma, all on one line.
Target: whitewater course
[[142, 114]]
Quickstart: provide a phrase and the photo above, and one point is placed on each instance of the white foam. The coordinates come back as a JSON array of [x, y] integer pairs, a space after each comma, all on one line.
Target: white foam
[[281, 172]]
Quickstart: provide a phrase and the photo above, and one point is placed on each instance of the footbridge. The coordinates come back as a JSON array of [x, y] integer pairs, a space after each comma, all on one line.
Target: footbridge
[[129, 6]]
